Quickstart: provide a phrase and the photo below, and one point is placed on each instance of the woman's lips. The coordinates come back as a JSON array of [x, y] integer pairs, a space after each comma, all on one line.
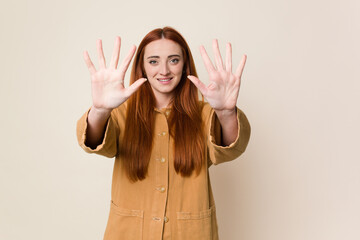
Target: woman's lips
[[164, 80]]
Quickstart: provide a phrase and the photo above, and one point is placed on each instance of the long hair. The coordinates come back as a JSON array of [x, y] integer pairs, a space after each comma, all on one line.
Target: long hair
[[185, 122]]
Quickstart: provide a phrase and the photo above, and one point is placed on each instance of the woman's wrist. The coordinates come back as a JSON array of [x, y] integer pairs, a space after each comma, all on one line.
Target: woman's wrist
[[98, 114], [226, 115], [229, 125]]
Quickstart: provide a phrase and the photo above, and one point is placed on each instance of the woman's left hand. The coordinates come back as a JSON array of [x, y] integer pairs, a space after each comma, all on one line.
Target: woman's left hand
[[223, 90]]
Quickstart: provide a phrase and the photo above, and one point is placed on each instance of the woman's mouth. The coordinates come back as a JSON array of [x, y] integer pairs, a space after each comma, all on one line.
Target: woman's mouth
[[164, 80]]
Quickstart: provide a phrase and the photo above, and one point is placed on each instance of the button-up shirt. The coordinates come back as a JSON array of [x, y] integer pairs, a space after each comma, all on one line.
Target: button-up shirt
[[164, 205]]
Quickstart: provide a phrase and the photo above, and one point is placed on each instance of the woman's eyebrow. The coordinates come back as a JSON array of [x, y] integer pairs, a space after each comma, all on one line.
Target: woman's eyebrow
[[174, 55], [153, 57], [170, 56]]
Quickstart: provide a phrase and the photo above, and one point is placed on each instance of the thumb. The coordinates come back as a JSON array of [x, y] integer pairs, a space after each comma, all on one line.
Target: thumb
[[201, 86], [135, 86]]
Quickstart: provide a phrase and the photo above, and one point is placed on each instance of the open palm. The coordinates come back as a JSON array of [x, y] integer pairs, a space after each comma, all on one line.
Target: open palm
[[223, 89], [107, 84]]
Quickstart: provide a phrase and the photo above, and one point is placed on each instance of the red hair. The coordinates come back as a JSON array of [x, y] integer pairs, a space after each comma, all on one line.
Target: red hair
[[185, 122]]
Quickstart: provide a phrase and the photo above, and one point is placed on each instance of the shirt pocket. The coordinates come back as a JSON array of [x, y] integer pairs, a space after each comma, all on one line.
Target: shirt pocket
[[195, 225], [124, 223]]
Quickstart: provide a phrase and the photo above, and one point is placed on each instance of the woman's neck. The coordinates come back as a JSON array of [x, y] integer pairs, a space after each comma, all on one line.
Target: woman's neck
[[163, 101]]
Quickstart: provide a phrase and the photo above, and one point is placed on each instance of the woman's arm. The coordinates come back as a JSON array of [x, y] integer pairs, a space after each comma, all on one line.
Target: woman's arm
[[95, 131], [108, 91], [229, 126], [223, 90]]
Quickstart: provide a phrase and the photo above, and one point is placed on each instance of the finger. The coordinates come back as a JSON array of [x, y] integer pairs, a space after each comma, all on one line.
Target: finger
[[201, 86], [208, 64], [89, 63], [100, 51], [116, 53], [241, 66], [228, 57], [126, 62], [218, 59], [135, 86]]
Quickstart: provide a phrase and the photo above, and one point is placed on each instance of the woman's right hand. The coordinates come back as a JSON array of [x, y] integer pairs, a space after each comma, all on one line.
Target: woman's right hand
[[107, 83]]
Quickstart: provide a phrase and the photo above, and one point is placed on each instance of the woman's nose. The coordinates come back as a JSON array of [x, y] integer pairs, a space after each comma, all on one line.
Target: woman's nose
[[164, 69]]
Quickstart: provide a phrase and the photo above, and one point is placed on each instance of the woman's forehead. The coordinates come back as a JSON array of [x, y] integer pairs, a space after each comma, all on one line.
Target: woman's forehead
[[162, 48]]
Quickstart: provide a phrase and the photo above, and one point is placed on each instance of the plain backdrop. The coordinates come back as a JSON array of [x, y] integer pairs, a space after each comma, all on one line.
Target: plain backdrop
[[299, 178]]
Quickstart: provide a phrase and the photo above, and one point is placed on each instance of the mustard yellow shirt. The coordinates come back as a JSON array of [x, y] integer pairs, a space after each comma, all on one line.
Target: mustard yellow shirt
[[165, 205]]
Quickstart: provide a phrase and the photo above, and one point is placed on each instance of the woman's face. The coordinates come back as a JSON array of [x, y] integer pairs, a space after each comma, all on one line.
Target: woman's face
[[163, 63]]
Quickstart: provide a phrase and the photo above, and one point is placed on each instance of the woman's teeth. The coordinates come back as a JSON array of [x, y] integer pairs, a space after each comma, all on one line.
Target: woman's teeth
[[164, 80]]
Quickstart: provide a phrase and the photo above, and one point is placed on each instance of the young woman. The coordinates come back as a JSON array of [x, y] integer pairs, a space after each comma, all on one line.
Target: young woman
[[162, 136]]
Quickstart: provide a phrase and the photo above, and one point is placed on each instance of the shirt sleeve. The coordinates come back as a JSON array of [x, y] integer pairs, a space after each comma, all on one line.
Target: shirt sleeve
[[108, 147], [219, 154]]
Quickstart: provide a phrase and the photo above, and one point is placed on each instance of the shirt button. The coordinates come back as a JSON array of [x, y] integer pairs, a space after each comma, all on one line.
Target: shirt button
[[167, 112], [162, 160], [166, 219], [162, 189]]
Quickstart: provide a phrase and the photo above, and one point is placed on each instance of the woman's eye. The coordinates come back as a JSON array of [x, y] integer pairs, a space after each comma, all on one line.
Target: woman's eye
[[174, 60], [152, 61]]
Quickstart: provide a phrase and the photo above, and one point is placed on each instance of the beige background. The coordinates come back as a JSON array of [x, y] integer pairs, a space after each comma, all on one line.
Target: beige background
[[300, 177]]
